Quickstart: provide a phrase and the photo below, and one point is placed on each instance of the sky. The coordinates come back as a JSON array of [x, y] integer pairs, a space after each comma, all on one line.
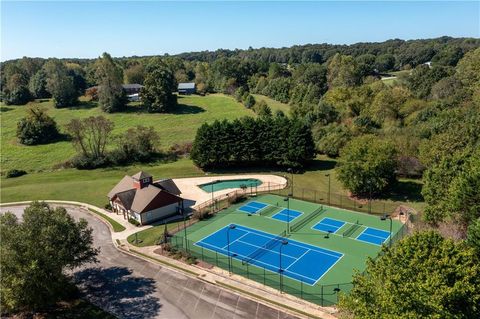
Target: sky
[[87, 29]]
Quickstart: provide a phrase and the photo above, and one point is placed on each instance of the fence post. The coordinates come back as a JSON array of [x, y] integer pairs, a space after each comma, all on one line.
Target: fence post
[[264, 275], [301, 289], [216, 258], [202, 255], [321, 295], [248, 273]]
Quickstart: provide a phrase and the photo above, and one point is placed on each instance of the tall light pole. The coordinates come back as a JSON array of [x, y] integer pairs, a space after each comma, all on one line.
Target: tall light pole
[[184, 225], [385, 217], [213, 208], [369, 182], [328, 175], [291, 179], [287, 199], [230, 227], [280, 270]]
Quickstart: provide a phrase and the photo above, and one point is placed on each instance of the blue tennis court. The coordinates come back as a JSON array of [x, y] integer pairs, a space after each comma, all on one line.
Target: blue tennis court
[[299, 261], [252, 207], [373, 236], [329, 225], [286, 215]]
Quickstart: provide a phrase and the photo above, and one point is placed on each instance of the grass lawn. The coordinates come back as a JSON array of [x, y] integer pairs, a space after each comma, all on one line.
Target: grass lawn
[[177, 127], [115, 225], [150, 236], [91, 186], [274, 105]]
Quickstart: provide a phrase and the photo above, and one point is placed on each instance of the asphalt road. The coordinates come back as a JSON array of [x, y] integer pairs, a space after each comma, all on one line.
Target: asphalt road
[[129, 287]]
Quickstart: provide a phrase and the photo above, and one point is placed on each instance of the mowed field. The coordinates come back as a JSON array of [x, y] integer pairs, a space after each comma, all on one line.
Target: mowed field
[[91, 186], [177, 127]]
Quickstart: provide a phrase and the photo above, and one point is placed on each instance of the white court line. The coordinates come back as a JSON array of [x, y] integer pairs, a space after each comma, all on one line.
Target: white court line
[[297, 259], [326, 223], [334, 233], [257, 232], [257, 261], [246, 233], [326, 271], [311, 247], [263, 248], [369, 242]]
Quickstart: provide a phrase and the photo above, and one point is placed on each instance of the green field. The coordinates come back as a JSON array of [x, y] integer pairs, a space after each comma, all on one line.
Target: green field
[[177, 127], [274, 105], [91, 186], [354, 252]]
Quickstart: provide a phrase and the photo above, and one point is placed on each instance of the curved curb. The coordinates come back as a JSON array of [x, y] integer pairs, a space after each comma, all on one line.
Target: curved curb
[[172, 266]]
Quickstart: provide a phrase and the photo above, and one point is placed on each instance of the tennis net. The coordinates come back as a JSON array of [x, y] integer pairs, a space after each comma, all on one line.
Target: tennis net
[[351, 229], [268, 210], [265, 248], [298, 225]]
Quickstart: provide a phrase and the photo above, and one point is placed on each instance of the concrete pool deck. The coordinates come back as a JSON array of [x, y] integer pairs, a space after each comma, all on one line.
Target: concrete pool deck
[[195, 196]]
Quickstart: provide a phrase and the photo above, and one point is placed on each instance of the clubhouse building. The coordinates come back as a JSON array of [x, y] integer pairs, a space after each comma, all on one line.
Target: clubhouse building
[[144, 200]]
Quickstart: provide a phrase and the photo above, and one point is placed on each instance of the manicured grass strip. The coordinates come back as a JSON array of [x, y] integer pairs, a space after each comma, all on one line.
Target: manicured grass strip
[[164, 262], [266, 300], [115, 225], [150, 236]]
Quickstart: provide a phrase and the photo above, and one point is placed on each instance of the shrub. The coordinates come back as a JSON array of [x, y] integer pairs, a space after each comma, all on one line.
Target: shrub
[[183, 149], [86, 162], [37, 128], [249, 101], [15, 173], [133, 221], [108, 206], [201, 214]]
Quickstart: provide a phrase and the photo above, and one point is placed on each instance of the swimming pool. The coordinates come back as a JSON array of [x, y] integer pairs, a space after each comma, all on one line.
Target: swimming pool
[[230, 183]]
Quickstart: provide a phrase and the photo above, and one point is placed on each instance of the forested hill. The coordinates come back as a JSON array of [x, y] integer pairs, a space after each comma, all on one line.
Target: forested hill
[[411, 52]]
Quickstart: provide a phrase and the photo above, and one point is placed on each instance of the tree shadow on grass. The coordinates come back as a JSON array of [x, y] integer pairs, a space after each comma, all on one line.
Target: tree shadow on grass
[[84, 105], [5, 109], [320, 165], [404, 191], [117, 291], [179, 109]]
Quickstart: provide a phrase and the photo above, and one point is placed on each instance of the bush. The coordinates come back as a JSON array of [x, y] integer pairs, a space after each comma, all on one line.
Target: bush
[[37, 128], [183, 149], [249, 101], [201, 214], [133, 221], [85, 162], [108, 206], [236, 198], [15, 173]]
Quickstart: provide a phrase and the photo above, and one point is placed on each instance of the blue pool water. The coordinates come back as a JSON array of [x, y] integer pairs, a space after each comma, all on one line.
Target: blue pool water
[[231, 183]]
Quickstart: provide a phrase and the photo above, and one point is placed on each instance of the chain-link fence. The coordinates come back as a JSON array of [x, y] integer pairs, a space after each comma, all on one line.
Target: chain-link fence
[[376, 207], [324, 295]]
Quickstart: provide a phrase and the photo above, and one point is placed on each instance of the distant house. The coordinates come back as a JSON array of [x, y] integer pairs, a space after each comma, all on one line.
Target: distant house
[[132, 88], [186, 88], [144, 200]]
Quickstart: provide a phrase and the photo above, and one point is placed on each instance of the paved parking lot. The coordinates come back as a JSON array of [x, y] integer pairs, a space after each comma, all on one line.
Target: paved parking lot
[[129, 287]]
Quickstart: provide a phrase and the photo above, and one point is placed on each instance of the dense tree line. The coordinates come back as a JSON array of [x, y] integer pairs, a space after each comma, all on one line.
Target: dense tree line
[[267, 140]]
